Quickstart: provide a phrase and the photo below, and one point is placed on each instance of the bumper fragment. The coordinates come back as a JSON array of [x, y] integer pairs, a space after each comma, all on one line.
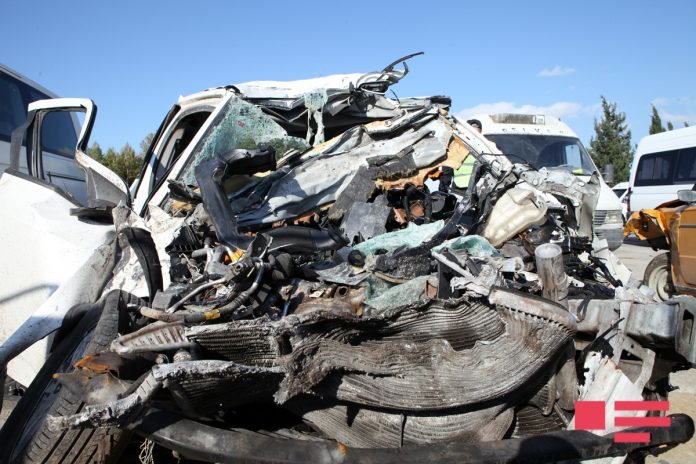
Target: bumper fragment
[[199, 441]]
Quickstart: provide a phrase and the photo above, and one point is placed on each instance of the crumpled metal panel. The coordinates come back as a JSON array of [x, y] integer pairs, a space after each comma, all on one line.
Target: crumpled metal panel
[[264, 343], [205, 386], [150, 337], [204, 379], [584, 195], [424, 357], [366, 428], [321, 179], [431, 375], [422, 362], [288, 90]]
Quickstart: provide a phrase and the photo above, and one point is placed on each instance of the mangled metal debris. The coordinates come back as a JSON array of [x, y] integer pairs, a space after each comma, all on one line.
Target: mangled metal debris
[[312, 274]]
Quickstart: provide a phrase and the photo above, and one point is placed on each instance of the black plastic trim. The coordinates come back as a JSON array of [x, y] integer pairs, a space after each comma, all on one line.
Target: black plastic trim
[[203, 442]]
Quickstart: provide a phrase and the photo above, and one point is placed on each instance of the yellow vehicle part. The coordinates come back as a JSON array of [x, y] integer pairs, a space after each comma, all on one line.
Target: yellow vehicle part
[[647, 224]]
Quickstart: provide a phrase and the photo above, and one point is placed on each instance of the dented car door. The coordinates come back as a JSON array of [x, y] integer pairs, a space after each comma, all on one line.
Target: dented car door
[[52, 258]]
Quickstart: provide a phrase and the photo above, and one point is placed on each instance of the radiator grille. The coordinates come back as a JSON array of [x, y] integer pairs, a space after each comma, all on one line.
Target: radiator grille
[[599, 216]]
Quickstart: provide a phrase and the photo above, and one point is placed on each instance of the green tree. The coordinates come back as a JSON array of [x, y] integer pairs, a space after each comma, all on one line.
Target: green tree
[[145, 144], [95, 151], [655, 122], [612, 144], [126, 163], [670, 126], [686, 124], [110, 160]]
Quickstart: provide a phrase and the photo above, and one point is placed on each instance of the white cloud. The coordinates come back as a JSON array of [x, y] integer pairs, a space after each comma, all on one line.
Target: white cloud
[[660, 101], [556, 71], [677, 119], [676, 110], [559, 109]]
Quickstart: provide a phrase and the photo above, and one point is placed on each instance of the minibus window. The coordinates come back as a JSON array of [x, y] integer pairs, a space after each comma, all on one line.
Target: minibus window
[[655, 169]]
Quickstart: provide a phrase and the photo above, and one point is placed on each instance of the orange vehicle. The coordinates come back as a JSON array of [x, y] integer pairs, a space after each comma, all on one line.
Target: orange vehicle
[[672, 227]]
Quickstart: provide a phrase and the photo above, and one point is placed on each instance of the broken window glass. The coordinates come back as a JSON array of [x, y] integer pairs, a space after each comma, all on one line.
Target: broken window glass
[[240, 125]]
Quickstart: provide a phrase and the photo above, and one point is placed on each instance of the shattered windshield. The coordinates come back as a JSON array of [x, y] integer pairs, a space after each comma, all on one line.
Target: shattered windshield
[[545, 151], [240, 125]]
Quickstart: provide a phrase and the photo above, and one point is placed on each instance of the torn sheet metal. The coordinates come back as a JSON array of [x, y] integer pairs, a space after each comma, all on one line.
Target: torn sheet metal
[[366, 220], [604, 381], [457, 152], [583, 194], [481, 284], [321, 179]]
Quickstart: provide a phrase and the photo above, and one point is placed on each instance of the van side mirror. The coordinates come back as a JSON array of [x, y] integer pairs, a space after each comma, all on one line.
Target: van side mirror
[[687, 196], [608, 173]]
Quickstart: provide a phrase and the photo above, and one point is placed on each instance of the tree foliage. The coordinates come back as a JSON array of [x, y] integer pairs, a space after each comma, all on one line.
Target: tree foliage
[[670, 126], [655, 122], [612, 142], [95, 151], [125, 162], [145, 144]]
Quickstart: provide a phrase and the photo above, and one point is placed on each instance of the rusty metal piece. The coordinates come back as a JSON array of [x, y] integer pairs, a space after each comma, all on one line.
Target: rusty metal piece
[[417, 209], [400, 216], [325, 304], [100, 363], [310, 218], [340, 299]]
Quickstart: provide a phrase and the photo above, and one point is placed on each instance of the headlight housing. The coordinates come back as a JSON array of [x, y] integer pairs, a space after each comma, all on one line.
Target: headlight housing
[[613, 217]]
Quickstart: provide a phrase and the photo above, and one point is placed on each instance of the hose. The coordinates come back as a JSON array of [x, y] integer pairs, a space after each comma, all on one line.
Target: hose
[[193, 293], [232, 305], [194, 317], [300, 239]]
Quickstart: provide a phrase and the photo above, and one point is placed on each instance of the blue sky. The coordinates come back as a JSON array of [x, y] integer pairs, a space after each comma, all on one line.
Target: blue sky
[[134, 58]]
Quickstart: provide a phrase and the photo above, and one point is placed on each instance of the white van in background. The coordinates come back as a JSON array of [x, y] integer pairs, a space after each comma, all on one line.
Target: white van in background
[[545, 141], [664, 163], [59, 133], [621, 191]]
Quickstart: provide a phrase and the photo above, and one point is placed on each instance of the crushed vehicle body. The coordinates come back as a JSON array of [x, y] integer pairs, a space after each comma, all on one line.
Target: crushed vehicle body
[[290, 287]]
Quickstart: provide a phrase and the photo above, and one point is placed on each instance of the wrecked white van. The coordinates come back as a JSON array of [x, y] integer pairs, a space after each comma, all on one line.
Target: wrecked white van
[[289, 290]]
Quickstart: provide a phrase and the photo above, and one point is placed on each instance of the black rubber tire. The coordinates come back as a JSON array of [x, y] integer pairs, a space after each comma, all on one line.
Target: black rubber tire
[[25, 437], [658, 276]]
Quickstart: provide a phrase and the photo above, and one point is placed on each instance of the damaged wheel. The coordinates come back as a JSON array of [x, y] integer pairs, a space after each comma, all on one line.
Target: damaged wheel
[[658, 276], [26, 437]]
